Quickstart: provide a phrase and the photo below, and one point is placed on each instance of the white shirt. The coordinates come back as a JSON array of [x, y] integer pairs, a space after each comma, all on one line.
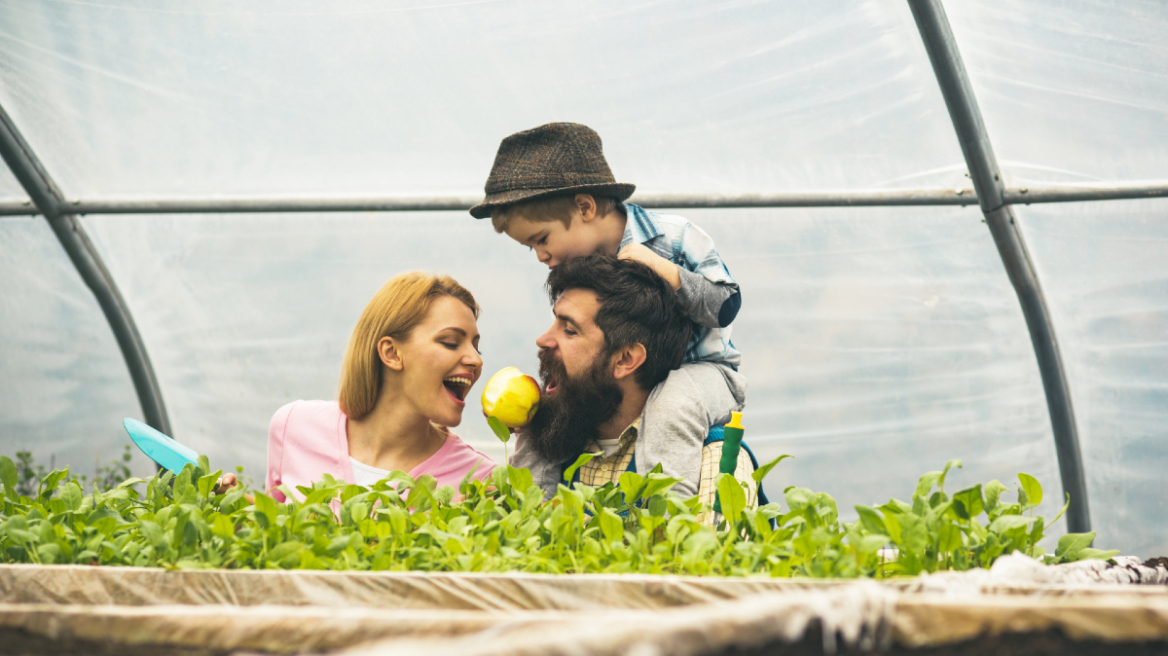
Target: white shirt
[[364, 475], [609, 446]]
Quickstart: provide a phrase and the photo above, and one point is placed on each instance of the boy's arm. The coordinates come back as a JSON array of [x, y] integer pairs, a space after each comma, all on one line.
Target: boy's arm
[[708, 303], [707, 293]]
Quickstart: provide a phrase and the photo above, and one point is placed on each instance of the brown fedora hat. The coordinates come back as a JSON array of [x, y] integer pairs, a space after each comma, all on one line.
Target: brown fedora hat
[[551, 160]]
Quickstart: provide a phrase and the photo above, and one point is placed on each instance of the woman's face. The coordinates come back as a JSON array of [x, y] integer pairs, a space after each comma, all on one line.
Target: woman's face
[[440, 361]]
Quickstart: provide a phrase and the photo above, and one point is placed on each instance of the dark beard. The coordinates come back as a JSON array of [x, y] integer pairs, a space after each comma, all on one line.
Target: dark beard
[[568, 421]]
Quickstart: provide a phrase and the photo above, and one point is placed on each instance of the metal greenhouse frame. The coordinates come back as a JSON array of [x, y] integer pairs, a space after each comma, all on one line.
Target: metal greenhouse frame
[[988, 191]]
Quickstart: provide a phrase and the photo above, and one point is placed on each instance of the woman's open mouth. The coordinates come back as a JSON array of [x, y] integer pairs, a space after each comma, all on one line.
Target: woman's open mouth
[[457, 387]]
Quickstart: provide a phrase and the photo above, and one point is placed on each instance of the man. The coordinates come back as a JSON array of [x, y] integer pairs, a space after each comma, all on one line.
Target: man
[[618, 333]]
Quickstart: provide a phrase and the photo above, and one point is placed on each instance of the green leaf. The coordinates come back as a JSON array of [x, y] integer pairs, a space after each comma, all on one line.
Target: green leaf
[[870, 544], [914, 535], [282, 551], [153, 533], [892, 522], [207, 483], [762, 471], [1070, 544], [871, 520], [968, 503], [658, 506], [50, 482], [182, 485], [949, 538], [944, 472], [520, 479], [467, 477], [499, 429], [266, 506], [320, 495], [1062, 511], [223, 527], [732, 497], [611, 525], [1099, 554], [993, 492], [632, 485], [1007, 523], [896, 506], [445, 494], [8, 475], [571, 471], [70, 494], [1036, 531], [797, 497], [925, 484], [1033, 489], [657, 484]]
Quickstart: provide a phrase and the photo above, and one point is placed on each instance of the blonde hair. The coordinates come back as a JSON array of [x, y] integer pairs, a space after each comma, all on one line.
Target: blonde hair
[[395, 310], [547, 208]]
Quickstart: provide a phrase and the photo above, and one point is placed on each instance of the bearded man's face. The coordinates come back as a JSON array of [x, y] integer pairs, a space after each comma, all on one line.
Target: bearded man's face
[[572, 408]]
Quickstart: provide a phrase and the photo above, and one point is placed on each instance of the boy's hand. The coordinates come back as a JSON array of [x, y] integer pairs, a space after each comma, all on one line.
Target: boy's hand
[[663, 267]]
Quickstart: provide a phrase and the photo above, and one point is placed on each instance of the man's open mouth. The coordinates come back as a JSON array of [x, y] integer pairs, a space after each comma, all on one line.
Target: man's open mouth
[[551, 386], [457, 386]]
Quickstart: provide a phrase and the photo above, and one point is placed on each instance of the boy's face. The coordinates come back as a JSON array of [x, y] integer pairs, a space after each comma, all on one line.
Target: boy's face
[[554, 243]]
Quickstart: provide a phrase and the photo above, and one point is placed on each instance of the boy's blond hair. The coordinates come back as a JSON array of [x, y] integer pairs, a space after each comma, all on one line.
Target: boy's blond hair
[[547, 208], [395, 310]]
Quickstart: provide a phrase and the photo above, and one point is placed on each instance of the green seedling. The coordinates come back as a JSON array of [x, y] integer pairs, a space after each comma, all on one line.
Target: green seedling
[[503, 524]]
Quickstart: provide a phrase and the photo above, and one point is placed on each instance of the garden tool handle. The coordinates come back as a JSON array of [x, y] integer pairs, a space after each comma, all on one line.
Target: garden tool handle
[[731, 444]]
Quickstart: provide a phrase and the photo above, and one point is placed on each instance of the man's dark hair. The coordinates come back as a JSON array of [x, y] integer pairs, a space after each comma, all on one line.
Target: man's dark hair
[[636, 306]]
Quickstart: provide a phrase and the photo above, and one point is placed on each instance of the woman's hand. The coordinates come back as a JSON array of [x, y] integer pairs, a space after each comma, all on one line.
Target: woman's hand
[[228, 481]]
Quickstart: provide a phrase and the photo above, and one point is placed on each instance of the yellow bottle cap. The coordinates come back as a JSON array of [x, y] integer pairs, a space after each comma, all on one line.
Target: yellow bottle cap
[[735, 420]]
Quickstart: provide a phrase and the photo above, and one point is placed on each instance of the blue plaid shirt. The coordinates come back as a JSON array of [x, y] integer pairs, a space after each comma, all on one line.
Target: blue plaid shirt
[[686, 245]]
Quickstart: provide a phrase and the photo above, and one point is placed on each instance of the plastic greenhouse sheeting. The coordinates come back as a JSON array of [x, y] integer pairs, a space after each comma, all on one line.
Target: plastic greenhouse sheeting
[[879, 342], [867, 342], [1072, 91], [156, 611], [10, 189], [368, 97], [1105, 269]]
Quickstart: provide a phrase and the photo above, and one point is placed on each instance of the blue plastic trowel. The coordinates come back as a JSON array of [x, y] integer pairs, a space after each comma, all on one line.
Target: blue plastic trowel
[[161, 448]]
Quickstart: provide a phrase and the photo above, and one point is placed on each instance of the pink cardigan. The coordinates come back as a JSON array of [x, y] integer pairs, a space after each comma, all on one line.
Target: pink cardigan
[[307, 439]]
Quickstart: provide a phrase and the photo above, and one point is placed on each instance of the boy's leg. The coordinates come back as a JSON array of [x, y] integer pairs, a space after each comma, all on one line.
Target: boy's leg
[[678, 416]]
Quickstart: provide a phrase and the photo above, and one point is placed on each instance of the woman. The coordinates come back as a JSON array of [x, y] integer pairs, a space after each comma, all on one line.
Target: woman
[[411, 361]]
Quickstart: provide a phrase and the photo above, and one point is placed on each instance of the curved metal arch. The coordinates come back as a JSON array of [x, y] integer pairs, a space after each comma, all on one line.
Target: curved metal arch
[[933, 26], [85, 257]]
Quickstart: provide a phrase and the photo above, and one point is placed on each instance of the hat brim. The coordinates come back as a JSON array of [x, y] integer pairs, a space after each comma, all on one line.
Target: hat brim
[[618, 190]]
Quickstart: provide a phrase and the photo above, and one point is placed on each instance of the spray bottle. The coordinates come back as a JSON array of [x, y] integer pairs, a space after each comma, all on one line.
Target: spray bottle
[[731, 443]]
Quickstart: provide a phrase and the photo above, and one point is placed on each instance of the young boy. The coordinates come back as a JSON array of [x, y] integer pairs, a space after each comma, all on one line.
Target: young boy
[[550, 189]]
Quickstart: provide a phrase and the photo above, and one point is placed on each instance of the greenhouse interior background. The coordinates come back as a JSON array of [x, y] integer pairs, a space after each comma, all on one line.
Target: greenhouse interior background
[[879, 341]]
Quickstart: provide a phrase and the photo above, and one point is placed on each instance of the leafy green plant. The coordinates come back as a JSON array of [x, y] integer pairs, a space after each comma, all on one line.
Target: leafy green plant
[[637, 524], [109, 475], [937, 531]]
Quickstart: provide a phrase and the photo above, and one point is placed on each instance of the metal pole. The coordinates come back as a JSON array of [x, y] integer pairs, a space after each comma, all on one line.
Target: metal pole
[[828, 198], [1075, 193], [462, 203], [983, 170], [75, 240]]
